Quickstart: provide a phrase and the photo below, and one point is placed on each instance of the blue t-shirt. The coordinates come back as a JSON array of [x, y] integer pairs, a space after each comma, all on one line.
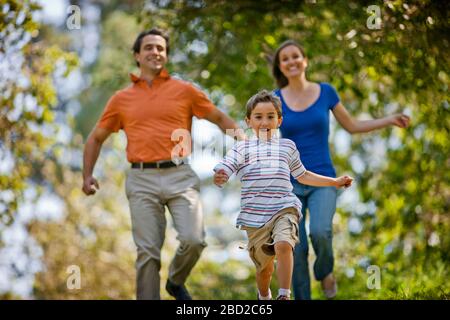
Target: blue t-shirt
[[309, 129]]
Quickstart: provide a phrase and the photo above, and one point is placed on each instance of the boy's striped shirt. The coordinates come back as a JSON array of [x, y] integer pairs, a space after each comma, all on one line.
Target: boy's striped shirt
[[264, 168]]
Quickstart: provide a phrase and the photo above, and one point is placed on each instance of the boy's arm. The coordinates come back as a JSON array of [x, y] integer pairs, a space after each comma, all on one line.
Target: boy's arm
[[317, 180], [229, 165], [304, 176]]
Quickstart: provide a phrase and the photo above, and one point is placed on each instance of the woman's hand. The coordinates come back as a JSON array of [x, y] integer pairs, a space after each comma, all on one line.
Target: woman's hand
[[344, 181], [220, 177], [399, 120]]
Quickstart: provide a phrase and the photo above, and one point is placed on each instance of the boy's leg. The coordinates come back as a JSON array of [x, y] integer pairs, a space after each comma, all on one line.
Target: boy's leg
[[263, 278], [263, 261], [285, 237], [285, 260]]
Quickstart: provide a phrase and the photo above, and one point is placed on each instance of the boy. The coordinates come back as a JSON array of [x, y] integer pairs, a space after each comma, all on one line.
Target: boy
[[270, 211]]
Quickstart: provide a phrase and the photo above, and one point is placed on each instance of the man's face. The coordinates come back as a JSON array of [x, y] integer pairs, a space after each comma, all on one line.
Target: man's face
[[153, 53]]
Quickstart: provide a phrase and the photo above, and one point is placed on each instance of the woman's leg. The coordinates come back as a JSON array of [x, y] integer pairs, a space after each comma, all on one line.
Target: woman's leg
[[322, 206], [300, 276]]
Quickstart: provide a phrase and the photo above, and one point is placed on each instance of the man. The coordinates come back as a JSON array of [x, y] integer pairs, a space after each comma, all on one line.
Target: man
[[150, 110]]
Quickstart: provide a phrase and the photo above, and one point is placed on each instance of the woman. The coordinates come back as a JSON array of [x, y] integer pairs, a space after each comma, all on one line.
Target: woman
[[306, 107]]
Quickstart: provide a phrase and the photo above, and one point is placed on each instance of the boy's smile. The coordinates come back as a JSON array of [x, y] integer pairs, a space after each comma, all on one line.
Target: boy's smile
[[264, 120]]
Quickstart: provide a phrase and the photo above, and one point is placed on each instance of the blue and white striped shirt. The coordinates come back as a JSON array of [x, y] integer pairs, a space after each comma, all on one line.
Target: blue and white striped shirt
[[264, 168]]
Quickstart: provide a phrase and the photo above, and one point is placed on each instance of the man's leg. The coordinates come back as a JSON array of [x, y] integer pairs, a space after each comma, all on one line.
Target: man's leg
[[149, 224], [186, 210]]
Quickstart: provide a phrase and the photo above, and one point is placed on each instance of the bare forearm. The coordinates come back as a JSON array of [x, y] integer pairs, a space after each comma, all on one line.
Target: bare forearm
[[229, 127], [358, 126], [90, 156], [316, 180], [361, 126]]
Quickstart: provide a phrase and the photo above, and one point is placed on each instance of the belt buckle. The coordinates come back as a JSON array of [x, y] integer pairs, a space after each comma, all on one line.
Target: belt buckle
[[141, 165], [157, 164], [177, 162]]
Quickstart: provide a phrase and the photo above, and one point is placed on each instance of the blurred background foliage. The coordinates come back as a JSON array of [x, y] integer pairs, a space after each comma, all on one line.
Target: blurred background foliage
[[55, 83]]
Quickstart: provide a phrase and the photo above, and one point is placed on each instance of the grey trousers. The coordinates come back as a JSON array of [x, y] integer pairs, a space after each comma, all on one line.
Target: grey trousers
[[149, 191]]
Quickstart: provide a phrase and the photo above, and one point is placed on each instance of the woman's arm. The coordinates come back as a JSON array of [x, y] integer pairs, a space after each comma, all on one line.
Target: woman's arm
[[357, 126], [317, 180]]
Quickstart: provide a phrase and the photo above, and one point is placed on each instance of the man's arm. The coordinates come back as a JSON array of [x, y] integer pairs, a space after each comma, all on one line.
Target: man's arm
[[225, 123], [91, 151]]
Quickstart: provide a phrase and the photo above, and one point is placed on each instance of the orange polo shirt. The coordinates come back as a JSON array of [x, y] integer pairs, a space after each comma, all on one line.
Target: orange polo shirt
[[150, 113]]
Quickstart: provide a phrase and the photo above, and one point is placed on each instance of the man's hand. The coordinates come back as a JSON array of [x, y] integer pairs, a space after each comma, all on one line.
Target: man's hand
[[220, 177], [90, 155], [344, 181], [87, 186]]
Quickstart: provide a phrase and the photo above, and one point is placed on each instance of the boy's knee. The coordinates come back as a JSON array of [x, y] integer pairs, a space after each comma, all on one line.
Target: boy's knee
[[267, 271]]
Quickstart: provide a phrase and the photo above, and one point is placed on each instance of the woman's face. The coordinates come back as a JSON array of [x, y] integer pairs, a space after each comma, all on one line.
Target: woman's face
[[292, 62]]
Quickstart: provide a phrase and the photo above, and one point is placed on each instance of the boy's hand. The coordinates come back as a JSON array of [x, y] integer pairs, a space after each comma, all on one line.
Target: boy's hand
[[344, 181], [220, 177]]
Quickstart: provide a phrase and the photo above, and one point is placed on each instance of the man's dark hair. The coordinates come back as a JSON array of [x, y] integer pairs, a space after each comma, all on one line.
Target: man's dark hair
[[155, 31]]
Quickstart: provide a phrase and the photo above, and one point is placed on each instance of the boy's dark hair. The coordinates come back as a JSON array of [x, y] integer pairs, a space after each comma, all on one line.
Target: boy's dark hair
[[155, 31], [281, 80], [263, 96]]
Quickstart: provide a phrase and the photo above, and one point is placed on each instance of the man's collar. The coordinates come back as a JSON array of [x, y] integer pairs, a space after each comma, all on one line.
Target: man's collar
[[164, 74]]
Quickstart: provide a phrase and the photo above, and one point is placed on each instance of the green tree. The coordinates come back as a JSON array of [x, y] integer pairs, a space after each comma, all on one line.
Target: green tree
[[225, 47], [28, 101], [401, 66]]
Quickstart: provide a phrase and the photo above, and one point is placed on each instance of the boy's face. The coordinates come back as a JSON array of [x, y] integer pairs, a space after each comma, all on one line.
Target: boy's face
[[153, 54], [264, 120]]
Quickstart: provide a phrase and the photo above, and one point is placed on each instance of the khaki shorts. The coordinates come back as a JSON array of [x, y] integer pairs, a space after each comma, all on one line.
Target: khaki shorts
[[261, 241]]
